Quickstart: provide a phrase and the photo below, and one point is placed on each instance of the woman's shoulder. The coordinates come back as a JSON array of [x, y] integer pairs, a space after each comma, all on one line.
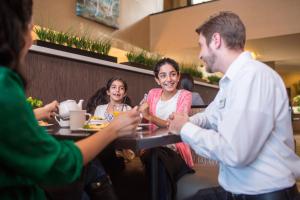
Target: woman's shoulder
[[99, 111], [153, 94], [11, 87], [102, 106], [155, 91], [127, 107]]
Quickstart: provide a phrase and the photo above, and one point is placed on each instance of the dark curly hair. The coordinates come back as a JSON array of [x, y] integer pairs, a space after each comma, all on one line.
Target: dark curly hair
[[15, 16], [100, 97], [164, 61]]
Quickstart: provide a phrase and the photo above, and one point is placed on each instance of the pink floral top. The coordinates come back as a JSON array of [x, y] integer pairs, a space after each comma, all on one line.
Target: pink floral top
[[183, 105]]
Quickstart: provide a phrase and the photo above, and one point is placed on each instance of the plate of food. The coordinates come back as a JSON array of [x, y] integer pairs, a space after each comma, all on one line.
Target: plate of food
[[93, 127], [44, 124], [97, 120], [97, 127]]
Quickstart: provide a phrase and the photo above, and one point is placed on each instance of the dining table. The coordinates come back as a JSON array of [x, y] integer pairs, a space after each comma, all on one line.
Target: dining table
[[146, 137]]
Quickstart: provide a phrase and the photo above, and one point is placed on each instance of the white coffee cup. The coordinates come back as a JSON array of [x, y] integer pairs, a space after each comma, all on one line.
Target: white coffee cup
[[78, 119]]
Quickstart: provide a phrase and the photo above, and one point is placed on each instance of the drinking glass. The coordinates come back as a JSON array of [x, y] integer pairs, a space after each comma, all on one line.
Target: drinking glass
[[117, 109]]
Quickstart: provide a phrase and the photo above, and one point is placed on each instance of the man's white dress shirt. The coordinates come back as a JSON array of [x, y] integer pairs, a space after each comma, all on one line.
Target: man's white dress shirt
[[247, 128]]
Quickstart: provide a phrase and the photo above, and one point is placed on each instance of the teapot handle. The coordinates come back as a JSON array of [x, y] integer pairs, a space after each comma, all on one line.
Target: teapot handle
[[55, 117]]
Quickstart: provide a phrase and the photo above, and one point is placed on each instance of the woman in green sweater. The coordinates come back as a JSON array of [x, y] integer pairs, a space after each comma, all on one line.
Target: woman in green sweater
[[28, 155]]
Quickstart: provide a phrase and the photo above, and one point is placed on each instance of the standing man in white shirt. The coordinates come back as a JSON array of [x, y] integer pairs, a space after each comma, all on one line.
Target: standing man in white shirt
[[247, 128]]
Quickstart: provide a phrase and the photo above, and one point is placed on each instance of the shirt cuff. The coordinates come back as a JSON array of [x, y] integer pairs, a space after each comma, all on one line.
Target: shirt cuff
[[188, 132]]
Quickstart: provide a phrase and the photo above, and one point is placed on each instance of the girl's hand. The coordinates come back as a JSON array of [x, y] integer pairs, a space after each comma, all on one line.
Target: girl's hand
[[144, 109]]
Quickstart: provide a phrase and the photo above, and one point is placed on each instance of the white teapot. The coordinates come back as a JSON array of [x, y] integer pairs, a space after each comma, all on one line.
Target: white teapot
[[66, 106], [63, 119]]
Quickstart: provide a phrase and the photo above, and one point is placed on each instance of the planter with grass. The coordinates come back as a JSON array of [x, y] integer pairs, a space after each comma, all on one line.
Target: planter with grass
[[193, 71], [142, 60], [73, 44], [138, 65], [213, 79], [75, 50]]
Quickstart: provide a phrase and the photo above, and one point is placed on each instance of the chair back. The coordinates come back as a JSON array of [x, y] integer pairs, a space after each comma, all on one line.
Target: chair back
[[197, 109]]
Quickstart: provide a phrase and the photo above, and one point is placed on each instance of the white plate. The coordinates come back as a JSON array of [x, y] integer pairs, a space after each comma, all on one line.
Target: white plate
[[96, 121], [46, 125], [88, 129], [93, 129]]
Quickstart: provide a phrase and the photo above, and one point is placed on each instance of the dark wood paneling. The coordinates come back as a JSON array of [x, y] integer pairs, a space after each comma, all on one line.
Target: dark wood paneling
[[207, 93], [51, 77]]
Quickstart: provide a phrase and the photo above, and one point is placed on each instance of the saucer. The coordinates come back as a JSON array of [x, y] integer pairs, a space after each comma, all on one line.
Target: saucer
[[97, 121], [46, 125]]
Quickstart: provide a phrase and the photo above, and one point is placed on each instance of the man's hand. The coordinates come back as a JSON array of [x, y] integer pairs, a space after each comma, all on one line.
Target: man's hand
[[176, 122]]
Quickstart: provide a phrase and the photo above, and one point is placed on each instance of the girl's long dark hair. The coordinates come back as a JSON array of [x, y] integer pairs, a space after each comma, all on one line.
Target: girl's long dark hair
[[15, 16], [100, 97], [164, 61]]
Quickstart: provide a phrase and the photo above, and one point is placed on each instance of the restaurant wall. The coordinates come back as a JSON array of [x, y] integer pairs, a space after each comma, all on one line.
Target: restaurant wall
[[168, 29], [290, 79], [61, 15], [51, 77]]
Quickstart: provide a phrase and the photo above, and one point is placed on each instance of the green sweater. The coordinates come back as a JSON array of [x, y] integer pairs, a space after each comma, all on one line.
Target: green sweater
[[28, 155]]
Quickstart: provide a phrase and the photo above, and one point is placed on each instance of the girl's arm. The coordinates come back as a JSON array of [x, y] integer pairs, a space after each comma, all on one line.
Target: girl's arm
[[144, 109]]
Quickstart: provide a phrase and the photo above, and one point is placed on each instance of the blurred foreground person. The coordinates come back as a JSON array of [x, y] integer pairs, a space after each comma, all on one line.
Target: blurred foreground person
[[28, 155]]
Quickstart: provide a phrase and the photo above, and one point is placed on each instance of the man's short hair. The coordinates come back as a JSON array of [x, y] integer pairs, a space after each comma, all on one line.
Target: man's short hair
[[230, 27]]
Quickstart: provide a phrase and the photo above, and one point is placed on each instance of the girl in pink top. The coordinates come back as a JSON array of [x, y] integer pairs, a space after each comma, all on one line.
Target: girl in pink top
[[160, 103]]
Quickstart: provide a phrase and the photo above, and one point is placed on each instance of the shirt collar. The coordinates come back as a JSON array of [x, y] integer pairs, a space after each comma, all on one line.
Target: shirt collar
[[237, 64]]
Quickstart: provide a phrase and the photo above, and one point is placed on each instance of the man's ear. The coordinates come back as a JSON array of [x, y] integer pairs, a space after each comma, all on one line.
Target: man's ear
[[216, 40], [157, 81]]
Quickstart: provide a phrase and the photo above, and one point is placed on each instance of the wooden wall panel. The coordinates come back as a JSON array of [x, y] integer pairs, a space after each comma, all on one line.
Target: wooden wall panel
[[207, 93], [51, 77]]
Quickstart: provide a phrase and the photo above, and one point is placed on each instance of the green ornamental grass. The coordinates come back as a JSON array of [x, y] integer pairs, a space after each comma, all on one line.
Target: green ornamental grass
[[85, 43]]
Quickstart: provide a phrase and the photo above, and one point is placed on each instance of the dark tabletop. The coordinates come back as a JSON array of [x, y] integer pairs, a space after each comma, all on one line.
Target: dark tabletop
[[148, 137]]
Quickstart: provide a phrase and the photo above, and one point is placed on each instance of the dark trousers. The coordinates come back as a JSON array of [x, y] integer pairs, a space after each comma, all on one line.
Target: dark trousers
[[171, 167], [97, 183], [218, 193]]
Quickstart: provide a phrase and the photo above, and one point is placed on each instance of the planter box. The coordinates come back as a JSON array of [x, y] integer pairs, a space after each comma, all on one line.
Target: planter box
[[76, 51], [200, 79], [138, 65]]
